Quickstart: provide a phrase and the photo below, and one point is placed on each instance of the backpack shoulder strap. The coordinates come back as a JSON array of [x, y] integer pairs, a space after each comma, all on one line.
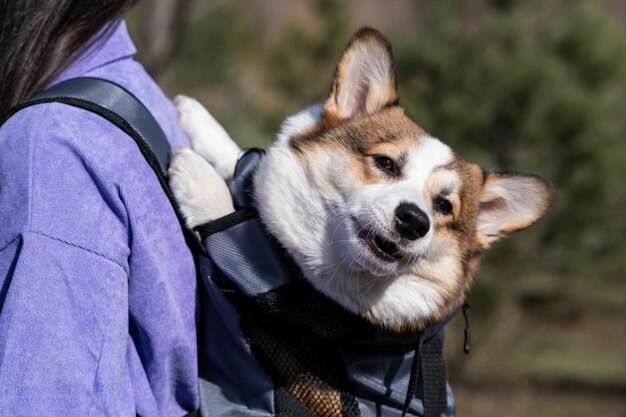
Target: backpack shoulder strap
[[120, 107], [117, 105]]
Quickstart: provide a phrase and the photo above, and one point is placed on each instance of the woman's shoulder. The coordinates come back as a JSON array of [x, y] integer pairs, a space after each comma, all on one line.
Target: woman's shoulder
[[56, 159], [56, 121], [46, 132], [61, 175], [55, 128]]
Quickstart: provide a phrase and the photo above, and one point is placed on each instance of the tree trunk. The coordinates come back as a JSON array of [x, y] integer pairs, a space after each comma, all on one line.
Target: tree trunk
[[166, 23]]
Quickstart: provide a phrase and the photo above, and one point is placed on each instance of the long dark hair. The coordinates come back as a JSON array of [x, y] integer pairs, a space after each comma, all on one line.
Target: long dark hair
[[39, 38]]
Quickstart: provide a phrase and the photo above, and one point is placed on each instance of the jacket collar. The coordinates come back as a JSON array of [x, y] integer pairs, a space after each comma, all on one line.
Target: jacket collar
[[116, 45]]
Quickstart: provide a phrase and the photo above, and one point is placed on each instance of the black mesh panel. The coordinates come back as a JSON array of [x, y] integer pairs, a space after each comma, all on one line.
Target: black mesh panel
[[293, 332]]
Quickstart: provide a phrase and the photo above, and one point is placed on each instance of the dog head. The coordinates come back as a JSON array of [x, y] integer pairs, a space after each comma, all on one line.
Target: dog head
[[382, 217]]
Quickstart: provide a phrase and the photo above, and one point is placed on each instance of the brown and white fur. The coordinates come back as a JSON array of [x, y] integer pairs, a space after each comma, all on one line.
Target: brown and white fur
[[381, 216]]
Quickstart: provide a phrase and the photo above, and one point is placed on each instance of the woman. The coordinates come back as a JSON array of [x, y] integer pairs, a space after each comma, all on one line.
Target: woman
[[97, 285]]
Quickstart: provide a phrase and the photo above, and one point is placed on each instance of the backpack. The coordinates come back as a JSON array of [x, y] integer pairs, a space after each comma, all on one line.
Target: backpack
[[268, 343]]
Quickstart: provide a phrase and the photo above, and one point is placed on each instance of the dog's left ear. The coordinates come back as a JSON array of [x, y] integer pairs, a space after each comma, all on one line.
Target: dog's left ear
[[511, 202], [365, 78]]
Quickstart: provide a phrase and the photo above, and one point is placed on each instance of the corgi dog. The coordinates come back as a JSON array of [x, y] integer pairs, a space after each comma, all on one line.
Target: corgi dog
[[380, 216]]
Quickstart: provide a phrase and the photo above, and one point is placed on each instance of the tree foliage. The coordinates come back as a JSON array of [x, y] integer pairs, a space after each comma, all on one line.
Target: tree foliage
[[529, 85]]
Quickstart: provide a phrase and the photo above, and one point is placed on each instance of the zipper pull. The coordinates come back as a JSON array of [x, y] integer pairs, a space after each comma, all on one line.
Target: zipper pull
[[468, 331]]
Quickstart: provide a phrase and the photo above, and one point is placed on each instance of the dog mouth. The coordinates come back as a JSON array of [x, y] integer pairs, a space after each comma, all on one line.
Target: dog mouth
[[378, 245]]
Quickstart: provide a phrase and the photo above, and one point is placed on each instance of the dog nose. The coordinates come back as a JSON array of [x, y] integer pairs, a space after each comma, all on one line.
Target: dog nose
[[412, 223]]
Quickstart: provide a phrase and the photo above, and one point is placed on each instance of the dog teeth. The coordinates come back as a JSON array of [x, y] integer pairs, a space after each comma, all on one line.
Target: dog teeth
[[387, 247], [382, 248]]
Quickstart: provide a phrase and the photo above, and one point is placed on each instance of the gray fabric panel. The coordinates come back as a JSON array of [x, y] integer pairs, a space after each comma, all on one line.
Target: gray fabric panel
[[380, 380], [248, 258], [380, 371], [232, 383], [451, 409]]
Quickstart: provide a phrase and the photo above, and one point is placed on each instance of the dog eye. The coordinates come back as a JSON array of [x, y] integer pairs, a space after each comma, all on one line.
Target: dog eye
[[443, 206], [385, 163]]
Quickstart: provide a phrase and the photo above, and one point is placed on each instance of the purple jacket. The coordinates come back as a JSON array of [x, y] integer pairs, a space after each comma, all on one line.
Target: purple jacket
[[97, 285]]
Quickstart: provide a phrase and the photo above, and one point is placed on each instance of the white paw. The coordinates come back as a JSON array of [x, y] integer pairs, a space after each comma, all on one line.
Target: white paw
[[201, 193], [207, 136]]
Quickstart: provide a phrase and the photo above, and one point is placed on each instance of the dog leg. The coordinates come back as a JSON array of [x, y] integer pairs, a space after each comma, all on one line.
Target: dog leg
[[207, 136], [200, 191]]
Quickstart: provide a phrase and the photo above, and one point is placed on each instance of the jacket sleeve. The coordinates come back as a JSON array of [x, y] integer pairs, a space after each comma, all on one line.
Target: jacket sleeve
[[63, 312], [63, 273]]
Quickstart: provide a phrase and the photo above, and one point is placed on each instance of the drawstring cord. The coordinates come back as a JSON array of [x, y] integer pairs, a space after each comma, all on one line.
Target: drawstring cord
[[468, 331], [414, 376], [416, 365]]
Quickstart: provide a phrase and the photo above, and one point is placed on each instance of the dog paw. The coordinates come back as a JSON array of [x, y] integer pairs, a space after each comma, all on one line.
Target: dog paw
[[201, 193], [207, 136]]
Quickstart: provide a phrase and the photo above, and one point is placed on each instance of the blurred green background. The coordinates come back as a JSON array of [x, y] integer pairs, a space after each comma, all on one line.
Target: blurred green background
[[533, 86]]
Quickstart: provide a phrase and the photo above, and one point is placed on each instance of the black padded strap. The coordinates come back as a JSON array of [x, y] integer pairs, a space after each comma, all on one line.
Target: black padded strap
[[114, 99], [117, 105], [434, 377], [428, 363]]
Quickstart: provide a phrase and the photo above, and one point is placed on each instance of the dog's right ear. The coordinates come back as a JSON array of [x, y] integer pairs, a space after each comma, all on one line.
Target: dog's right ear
[[511, 202], [364, 81]]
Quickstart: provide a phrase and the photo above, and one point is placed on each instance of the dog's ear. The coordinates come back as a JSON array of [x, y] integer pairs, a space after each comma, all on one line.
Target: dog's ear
[[365, 78], [510, 202]]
